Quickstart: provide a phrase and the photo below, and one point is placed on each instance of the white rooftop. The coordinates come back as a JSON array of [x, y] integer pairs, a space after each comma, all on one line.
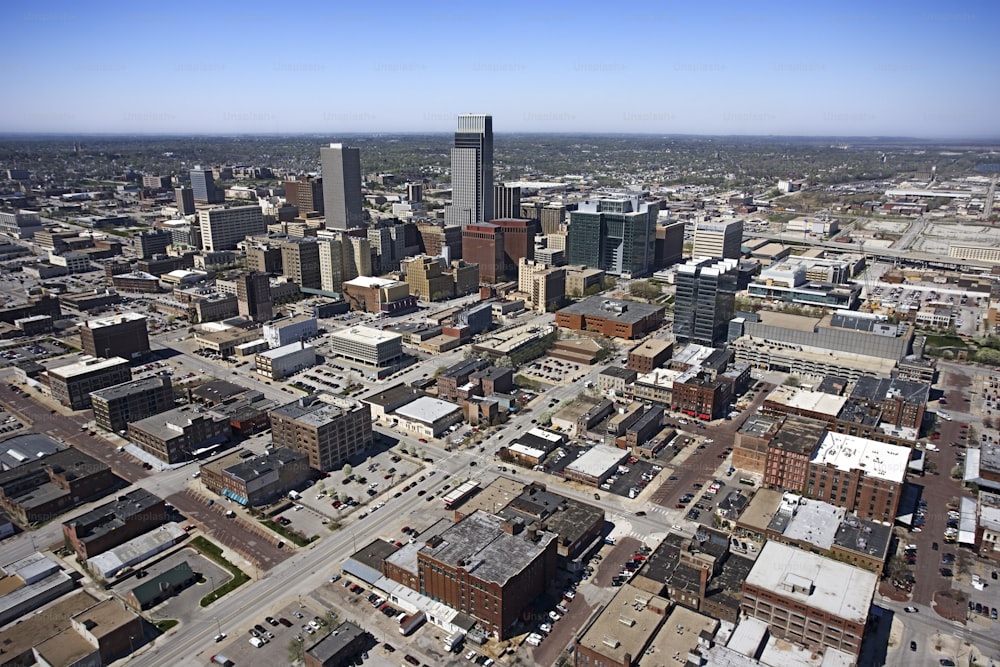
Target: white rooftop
[[524, 450], [597, 460], [876, 459], [284, 350], [546, 435], [366, 335], [806, 399], [87, 364], [114, 319], [370, 281], [815, 522], [427, 409], [837, 588]]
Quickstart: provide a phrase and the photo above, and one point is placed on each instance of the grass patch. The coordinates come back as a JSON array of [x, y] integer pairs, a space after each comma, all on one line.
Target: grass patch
[[214, 552], [292, 536], [163, 626]]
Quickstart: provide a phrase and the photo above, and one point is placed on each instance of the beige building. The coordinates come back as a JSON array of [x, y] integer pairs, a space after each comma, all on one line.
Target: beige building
[[623, 631], [580, 278], [543, 286]]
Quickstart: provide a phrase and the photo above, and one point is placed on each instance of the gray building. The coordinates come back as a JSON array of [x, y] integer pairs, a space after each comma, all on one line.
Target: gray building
[[471, 171], [705, 300], [114, 407], [203, 186], [341, 186], [154, 242], [616, 235], [506, 201]]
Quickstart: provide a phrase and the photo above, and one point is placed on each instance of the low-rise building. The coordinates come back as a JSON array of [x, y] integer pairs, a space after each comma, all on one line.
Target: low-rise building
[[175, 435], [428, 417], [162, 587], [280, 362], [114, 523], [99, 635], [256, 480], [650, 354], [367, 346], [122, 335], [49, 485], [623, 631], [616, 379], [614, 318], [339, 648], [595, 465], [287, 330]]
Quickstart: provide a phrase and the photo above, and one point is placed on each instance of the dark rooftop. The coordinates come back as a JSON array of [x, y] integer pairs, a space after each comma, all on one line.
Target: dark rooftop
[[651, 416], [394, 395], [70, 463], [149, 590], [860, 411], [758, 426], [462, 368], [832, 384], [113, 515], [217, 391], [373, 553], [620, 372], [876, 389], [250, 469], [800, 435], [330, 647], [23, 449], [864, 536], [132, 387]]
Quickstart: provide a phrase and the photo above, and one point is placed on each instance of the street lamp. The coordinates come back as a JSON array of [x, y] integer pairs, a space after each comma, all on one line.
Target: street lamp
[[131, 646]]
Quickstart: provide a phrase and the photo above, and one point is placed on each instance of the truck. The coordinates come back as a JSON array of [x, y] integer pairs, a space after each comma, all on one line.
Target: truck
[[411, 622], [220, 659], [294, 495], [453, 641]]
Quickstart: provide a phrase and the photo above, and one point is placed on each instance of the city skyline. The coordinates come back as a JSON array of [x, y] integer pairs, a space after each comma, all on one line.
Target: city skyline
[[789, 71]]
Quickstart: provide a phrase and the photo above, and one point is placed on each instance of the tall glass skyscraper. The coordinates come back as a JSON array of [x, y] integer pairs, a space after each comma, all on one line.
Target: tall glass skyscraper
[[616, 235], [705, 300], [471, 171], [341, 186]]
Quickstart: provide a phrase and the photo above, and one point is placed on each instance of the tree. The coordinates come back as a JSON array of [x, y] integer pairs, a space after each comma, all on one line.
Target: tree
[[296, 651], [792, 381], [644, 289], [347, 470], [896, 568]]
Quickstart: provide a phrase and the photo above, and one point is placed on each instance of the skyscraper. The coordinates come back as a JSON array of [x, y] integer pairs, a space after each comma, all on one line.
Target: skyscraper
[[306, 193], [203, 186], [616, 235], [341, 186], [471, 171], [482, 244], [300, 261], [518, 242], [705, 300]]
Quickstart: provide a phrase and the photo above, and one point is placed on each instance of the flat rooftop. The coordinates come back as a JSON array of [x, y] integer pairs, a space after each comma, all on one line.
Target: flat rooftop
[[815, 522], [114, 320], [621, 310], [627, 625], [131, 387], [597, 460], [114, 515], [758, 426], [393, 395], [285, 350], [876, 459], [266, 464], [807, 400], [170, 424], [494, 496], [427, 410], [21, 449], [366, 335], [315, 411], [836, 588], [800, 435], [331, 645], [488, 552], [87, 365], [678, 637], [371, 281], [652, 347]]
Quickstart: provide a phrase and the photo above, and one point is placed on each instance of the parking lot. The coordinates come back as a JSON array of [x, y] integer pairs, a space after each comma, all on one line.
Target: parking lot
[[554, 371], [967, 308], [184, 606]]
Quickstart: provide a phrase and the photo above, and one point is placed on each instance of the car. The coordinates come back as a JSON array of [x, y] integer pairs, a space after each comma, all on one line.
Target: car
[[562, 609], [257, 642], [219, 637], [259, 628], [946, 572], [410, 659], [946, 662], [297, 614], [569, 595], [471, 655], [910, 610], [285, 622], [913, 646], [389, 648], [308, 630], [554, 616], [335, 578]]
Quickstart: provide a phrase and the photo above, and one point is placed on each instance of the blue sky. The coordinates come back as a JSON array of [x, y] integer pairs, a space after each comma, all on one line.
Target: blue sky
[[916, 69]]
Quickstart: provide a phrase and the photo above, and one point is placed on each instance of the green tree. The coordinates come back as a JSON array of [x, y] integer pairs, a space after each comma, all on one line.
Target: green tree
[[792, 381], [296, 651], [347, 470]]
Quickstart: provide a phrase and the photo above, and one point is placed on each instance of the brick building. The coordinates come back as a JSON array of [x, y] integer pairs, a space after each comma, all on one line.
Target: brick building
[[650, 354], [115, 523], [611, 317], [114, 407]]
